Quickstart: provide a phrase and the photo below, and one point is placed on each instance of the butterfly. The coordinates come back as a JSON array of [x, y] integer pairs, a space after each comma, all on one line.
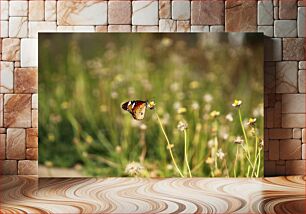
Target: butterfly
[[137, 108]]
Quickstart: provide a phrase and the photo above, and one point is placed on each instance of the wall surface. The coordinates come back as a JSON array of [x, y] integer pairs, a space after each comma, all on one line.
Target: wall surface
[[281, 20]]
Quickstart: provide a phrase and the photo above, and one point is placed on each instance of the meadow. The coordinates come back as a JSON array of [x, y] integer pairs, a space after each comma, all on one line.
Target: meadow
[[208, 95]]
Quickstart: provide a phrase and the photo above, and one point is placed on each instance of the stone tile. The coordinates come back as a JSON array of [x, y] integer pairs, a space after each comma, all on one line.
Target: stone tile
[[301, 22], [272, 49], [11, 49], [216, 28], [295, 167], [8, 167], [269, 117], [35, 27], [4, 9], [167, 25], [6, 77], [101, 28], [27, 167], [75, 29], [32, 153], [26, 80], [286, 77], [181, 10], [265, 12], [17, 110], [266, 30], [293, 49], [269, 168], [183, 26], [82, 12], [273, 150], [50, 10], [303, 151], [164, 9], [15, 143], [240, 15], [2, 130], [301, 3], [293, 120], [119, 28], [144, 28], [32, 138], [36, 10], [2, 146], [275, 3], [119, 12], [17, 64], [207, 12], [145, 13], [34, 118], [301, 82], [29, 53], [293, 103], [280, 133], [35, 101], [275, 13], [287, 9], [1, 110], [304, 135], [277, 120], [269, 77], [199, 28], [266, 156], [290, 149], [302, 65], [280, 170], [18, 27], [18, 8], [297, 133], [285, 28], [134, 27], [4, 29]]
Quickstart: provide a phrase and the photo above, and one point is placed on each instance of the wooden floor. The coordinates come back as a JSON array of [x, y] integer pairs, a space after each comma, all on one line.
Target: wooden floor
[[135, 195]]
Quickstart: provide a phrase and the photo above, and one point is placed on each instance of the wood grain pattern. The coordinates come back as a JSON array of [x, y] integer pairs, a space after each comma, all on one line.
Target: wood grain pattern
[[136, 195]]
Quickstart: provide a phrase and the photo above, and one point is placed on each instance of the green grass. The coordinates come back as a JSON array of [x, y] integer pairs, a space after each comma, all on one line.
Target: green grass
[[85, 78]]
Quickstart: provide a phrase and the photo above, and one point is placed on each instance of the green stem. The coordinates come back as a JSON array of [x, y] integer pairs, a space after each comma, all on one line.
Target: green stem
[[244, 133], [250, 162], [235, 161], [256, 155], [185, 151], [169, 146], [258, 166]]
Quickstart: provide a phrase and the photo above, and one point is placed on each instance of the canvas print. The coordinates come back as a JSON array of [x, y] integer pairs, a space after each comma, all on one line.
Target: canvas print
[[151, 105]]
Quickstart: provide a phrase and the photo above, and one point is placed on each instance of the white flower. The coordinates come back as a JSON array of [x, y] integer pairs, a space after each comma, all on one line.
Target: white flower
[[238, 140], [207, 98], [182, 126], [195, 105], [229, 117], [220, 154], [211, 143], [134, 169]]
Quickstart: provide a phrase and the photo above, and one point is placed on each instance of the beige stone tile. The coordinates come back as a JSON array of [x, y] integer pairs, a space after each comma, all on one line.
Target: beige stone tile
[[17, 110], [26, 80], [293, 103], [199, 28], [295, 167], [146, 28], [183, 26], [101, 28], [4, 10], [2, 146], [216, 28], [38, 26], [303, 151], [32, 138], [293, 120], [50, 10], [266, 30], [207, 12], [181, 10], [18, 8], [297, 133], [6, 77], [167, 25], [164, 9], [2, 130], [301, 22], [15, 143], [304, 135], [145, 13], [29, 53], [4, 29], [119, 12], [75, 29], [91, 12], [36, 10], [1, 110], [8, 167], [265, 12], [18, 27], [27, 167], [301, 81], [11, 49], [119, 28], [34, 118], [280, 133], [35, 101], [286, 77], [285, 28], [290, 149]]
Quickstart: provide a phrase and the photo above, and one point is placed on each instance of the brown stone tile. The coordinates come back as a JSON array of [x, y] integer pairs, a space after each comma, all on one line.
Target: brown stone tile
[[277, 119], [11, 49], [280, 170], [286, 77], [27, 167], [280, 133], [293, 120], [119, 28], [287, 9], [290, 149], [101, 28], [2, 146], [301, 81], [1, 110], [119, 12], [297, 133], [183, 26], [8, 167], [241, 15], [17, 110], [266, 145], [295, 167], [32, 154], [269, 116], [207, 12], [273, 150], [145, 28], [269, 168], [269, 77], [293, 103], [293, 49], [303, 135], [2, 130], [164, 9], [15, 143], [266, 155], [32, 138], [26, 80], [34, 118]]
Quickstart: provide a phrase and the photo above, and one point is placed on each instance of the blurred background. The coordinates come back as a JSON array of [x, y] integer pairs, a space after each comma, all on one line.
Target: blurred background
[[84, 78]]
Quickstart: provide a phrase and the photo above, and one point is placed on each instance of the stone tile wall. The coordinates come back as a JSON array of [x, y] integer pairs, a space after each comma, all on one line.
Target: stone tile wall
[[283, 21]]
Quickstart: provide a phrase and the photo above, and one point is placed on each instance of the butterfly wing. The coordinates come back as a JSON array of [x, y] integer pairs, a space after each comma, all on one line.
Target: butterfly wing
[[137, 108]]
